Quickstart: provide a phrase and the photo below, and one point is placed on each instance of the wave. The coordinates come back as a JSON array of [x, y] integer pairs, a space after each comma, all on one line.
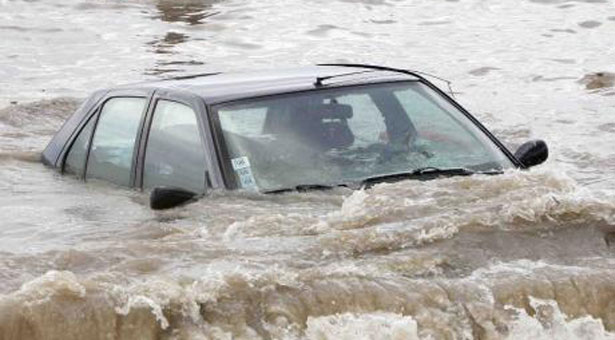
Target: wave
[[521, 299]]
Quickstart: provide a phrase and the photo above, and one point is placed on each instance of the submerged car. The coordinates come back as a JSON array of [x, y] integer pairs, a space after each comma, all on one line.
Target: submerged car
[[305, 128]]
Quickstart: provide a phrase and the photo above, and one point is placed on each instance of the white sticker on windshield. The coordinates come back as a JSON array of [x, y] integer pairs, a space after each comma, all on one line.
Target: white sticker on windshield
[[241, 165]]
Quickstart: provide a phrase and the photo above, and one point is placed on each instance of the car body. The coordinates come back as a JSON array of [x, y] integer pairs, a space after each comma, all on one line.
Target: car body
[[271, 131]]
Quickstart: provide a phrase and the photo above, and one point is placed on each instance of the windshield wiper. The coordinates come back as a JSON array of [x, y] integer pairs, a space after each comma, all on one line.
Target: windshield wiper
[[304, 188], [423, 173], [420, 173]]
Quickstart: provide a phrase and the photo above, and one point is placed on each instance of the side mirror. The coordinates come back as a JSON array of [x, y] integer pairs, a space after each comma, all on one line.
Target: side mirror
[[532, 153], [165, 198]]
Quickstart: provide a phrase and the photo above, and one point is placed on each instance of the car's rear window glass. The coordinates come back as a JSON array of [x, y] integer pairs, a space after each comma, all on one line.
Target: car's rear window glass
[[174, 155], [113, 145], [75, 161]]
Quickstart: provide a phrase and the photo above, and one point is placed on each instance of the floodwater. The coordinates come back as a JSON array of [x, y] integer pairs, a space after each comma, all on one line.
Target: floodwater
[[524, 255]]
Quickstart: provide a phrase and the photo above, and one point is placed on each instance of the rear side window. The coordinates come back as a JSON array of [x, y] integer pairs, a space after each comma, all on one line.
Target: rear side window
[[174, 155], [75, 161], [113, 144]]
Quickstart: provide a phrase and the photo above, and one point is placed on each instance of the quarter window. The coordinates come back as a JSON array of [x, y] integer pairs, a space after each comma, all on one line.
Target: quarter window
[[174, 156], [75, 161], [113, 145]]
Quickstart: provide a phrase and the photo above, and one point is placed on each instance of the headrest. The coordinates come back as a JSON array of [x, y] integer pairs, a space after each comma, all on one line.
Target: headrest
[[336, 135], [331, 111]]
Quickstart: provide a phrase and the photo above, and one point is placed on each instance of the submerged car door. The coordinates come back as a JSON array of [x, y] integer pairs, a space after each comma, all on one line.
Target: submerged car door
[[105, 147], [174, 150]]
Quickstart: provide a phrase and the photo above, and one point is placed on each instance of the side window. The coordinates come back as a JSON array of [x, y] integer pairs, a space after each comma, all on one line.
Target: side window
[[174, 155], [75, 160], [113, 144]]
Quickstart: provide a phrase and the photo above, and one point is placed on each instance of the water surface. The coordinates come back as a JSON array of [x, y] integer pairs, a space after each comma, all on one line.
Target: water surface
[[522, 255]]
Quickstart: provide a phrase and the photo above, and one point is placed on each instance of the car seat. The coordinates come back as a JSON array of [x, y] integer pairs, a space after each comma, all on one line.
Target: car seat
[[325, 125]]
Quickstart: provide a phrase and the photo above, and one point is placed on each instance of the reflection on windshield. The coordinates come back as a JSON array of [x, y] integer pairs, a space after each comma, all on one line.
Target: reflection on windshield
[[343, 135]]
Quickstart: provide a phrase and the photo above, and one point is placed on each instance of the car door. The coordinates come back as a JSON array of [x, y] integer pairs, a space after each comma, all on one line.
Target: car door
[[174, 151]]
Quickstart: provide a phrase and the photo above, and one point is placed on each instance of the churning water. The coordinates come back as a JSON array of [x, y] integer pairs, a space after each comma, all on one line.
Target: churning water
[[524, 255]]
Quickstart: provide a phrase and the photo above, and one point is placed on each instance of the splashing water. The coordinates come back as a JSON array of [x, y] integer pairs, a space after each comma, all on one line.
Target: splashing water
[[524, 255]]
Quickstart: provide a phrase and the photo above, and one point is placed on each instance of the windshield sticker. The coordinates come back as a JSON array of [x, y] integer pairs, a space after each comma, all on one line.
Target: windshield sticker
[[241, 165]]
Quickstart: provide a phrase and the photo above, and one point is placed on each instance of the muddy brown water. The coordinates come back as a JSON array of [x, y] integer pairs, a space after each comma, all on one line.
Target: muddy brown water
[[524, 255]]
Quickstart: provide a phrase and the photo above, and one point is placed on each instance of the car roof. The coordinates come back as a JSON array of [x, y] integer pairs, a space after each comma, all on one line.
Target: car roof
[[222, 87]]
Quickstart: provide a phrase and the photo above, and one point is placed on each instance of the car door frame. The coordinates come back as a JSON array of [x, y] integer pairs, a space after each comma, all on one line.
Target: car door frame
[[213, 173]]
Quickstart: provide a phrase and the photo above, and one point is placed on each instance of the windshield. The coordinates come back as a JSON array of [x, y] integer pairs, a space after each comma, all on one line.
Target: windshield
[[341, 135]]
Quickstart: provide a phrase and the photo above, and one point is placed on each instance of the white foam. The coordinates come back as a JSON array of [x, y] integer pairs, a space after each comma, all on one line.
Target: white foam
[[53, 283], [368, 326], [140, 301], [550, 322]]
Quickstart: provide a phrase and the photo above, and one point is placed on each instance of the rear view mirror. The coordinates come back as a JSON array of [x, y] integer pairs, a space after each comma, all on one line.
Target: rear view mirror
[[532, 153], [165, 198]]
